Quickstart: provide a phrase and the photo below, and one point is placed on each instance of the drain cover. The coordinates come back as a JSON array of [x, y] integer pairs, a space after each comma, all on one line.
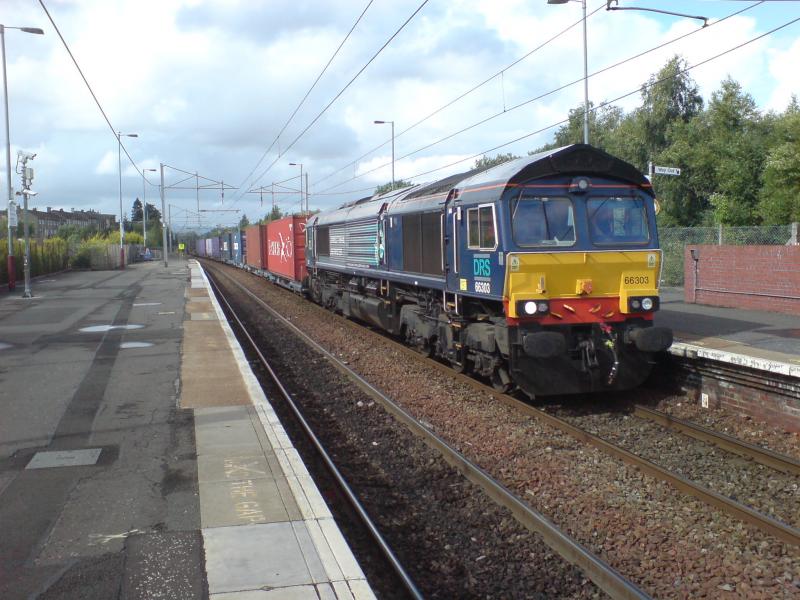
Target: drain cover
[[64, 458]]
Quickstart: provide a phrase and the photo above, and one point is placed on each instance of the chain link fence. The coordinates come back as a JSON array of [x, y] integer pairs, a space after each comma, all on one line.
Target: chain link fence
[[675, 239]]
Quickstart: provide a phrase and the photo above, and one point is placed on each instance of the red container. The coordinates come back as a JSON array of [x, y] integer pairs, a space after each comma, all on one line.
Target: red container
[[256, 242], [286, 248]]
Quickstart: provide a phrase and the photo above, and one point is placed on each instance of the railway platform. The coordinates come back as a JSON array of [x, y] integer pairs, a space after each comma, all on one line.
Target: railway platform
[[139, 457], [767, 341]]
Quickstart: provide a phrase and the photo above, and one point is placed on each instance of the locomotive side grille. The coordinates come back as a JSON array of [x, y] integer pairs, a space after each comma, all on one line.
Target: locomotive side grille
[[362, 239]]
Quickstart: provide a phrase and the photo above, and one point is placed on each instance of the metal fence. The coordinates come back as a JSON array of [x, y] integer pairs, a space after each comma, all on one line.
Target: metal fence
[[674, 240]]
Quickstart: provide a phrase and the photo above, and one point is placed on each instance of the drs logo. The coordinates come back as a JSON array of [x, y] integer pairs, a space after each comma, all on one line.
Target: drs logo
[[481, 267]]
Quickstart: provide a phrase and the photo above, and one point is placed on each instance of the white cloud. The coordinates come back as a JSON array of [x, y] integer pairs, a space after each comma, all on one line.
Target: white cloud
[[207, 84]]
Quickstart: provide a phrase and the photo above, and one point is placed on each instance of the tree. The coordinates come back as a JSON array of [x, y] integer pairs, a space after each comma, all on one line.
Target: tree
[[153, 214], [668, 97], [273, 215], [243, 222], [387, 187], [136, 212], [737, 137], [779, 197], [486, 162]]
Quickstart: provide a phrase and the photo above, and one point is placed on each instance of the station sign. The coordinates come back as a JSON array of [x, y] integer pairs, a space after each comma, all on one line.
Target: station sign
[[667, 170], [12, 214]]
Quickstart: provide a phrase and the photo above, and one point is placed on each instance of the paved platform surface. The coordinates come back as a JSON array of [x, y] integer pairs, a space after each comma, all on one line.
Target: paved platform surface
[[267, 531], [137, 458], [763, 340]]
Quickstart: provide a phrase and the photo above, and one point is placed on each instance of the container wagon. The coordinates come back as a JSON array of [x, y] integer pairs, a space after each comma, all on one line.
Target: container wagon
[[286, 258]]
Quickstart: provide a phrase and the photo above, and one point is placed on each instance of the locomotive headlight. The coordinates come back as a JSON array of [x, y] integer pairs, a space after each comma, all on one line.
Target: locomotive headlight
[[647, 304], [580, 185], [530, 308], [635, 304]]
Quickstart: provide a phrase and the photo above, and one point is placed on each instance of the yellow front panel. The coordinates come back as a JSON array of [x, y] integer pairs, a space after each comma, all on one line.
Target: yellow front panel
[[543, 275]]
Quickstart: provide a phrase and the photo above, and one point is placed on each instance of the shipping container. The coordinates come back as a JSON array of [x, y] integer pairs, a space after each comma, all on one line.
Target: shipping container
[[236, 250], [225, 246], [286, 255], [256, 236], [209, 253], [243, 245], [200, 247], [214, 250]]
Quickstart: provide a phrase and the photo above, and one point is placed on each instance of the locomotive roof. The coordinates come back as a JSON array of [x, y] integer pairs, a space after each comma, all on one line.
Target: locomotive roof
[[576, 159]]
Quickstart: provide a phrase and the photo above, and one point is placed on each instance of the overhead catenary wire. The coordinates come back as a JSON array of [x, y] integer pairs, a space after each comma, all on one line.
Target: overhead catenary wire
[[464, 94], [536, 98], [300, 104], [89, 87], [608, 102], [339, 94]]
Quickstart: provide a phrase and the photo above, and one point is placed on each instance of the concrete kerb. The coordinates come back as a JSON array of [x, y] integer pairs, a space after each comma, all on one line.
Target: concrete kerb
[[325, 534]]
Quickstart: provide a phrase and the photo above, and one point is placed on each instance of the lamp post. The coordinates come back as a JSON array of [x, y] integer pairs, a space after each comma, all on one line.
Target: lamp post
[[392, 124], [301, 183], [11, 263], [144, 205], [585, 70], [121, 213]]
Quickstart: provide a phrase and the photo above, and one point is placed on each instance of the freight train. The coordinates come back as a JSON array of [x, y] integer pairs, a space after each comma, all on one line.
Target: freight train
[[540, 274]]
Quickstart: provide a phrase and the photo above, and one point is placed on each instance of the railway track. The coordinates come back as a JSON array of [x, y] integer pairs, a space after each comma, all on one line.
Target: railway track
[[765, 523], [770, 526], [599, 572], [387, 553], [774, 460]]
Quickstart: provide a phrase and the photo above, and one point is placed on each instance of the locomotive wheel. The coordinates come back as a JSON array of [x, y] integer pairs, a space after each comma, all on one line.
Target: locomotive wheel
[[501, 382]]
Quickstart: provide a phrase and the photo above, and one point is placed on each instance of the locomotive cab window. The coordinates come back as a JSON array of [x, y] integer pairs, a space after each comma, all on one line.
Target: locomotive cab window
[[617, 220], [481, 232], [542, 221]]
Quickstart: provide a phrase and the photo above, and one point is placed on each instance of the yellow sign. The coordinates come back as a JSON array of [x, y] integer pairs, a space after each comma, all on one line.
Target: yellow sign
[[462, 284], [181, 247]]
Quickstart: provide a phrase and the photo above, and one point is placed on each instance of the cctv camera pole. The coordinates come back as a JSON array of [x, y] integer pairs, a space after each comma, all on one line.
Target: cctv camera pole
[[27, 179]]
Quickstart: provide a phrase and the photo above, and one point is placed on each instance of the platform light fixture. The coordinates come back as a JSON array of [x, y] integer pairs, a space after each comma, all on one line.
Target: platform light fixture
[[144, 204], [301, 186], [392, 124], [585, 69], [121, 213], [12, 270]]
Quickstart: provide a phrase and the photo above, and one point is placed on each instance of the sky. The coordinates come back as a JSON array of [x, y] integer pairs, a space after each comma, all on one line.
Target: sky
[[208, 86]]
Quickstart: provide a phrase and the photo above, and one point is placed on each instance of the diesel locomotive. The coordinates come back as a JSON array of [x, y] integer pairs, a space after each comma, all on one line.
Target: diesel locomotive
[[541, 273]]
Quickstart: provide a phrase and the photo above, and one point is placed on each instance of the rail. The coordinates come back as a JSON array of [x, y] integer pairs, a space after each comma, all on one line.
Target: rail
[[601, 573], [340, 480], [763, 456]]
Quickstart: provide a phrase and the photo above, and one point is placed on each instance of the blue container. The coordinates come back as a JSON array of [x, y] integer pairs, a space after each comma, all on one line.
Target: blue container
[[213, 248], [236, 250]]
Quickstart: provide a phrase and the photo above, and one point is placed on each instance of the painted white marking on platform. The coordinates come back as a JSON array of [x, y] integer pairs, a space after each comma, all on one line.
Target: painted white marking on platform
[[127, 345], [100, 538], [167, 312], [4, 346], [694, 350], [64, 458], [147, 303], [104, 328]]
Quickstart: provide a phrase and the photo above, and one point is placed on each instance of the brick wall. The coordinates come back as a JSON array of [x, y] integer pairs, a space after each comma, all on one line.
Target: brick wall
[[749, 277], [768, 397]]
